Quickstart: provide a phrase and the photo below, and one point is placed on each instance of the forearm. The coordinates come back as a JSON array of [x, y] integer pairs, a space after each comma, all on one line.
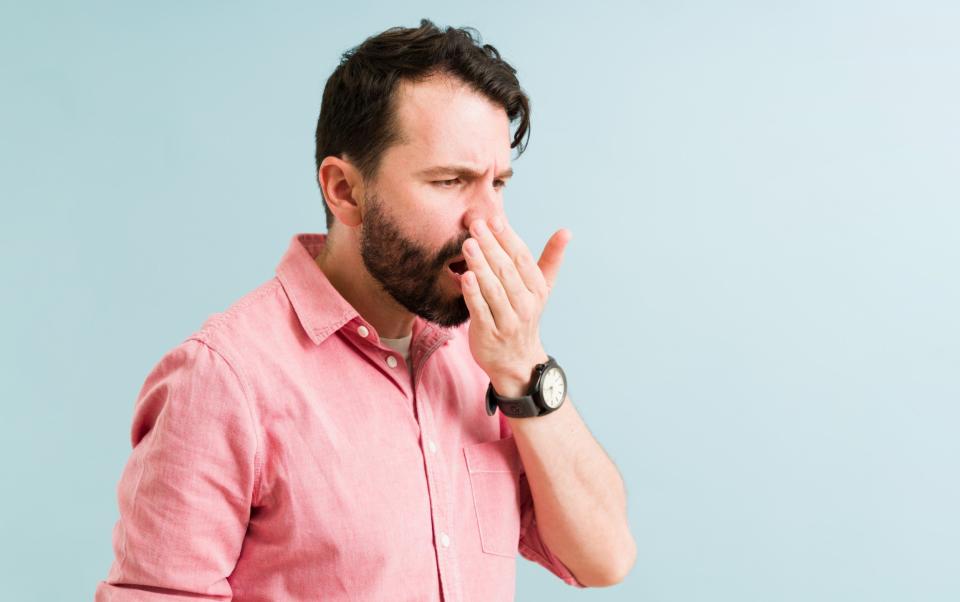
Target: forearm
[[578, 495]]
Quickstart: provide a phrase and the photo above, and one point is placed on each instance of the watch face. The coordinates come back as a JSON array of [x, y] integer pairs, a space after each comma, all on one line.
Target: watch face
[[553, 387]]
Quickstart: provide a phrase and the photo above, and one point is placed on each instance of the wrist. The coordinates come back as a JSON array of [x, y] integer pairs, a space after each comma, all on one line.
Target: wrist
[[516, 382]]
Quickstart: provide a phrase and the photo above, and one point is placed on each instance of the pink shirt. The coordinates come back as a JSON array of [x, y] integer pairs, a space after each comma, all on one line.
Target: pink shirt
[[282, 453]]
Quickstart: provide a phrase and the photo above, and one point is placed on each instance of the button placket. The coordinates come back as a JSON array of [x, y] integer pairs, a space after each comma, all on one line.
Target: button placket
[[440, 495]]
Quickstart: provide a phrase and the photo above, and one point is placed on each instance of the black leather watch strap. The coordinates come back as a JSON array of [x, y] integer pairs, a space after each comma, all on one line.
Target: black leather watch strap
[[519, 407]]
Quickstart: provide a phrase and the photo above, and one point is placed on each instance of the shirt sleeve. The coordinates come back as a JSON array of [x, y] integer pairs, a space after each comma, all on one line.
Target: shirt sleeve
[[186, 491], [531, 546]]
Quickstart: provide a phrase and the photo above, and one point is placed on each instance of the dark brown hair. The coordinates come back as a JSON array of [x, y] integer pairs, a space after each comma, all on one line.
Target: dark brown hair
[[358, 114]]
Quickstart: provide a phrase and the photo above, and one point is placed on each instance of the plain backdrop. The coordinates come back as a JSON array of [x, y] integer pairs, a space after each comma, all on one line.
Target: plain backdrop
[[758, 312]]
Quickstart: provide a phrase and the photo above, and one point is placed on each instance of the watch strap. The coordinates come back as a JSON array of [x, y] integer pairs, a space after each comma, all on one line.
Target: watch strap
[[515, 407]]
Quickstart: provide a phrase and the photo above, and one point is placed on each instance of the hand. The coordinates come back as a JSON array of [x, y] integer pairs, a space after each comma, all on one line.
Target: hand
[[506, 292]]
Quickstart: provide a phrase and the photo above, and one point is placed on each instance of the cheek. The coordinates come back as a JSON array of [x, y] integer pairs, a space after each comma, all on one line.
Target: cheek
[[437, 231], [434, 217]]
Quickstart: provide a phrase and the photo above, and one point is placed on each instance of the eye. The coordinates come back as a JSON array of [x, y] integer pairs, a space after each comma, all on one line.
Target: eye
[[447, 183], [499, 183]]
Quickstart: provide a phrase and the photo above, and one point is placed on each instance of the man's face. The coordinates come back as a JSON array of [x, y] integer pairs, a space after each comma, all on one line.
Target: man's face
[[417, 213]]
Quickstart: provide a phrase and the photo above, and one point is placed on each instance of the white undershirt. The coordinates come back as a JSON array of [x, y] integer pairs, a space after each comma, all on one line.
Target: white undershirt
[[401, 346]]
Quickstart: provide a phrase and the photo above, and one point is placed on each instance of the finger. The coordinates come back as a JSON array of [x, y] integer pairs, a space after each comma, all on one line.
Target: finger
[[552, 255], [502, 266], [476, 305], [490, 286], [520, 255]]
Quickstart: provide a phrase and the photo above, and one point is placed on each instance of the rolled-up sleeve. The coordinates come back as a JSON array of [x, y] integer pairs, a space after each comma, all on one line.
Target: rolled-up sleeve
[[186, 491], [531, 545]]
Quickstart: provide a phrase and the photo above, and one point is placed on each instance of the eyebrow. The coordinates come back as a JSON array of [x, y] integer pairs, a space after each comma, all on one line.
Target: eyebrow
[[461, 170]]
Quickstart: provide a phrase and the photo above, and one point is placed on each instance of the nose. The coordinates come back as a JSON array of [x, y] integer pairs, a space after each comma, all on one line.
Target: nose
[[485, 203]]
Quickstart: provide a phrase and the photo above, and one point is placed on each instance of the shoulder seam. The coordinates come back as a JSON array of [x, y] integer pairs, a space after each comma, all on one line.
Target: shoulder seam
[[254, 425]]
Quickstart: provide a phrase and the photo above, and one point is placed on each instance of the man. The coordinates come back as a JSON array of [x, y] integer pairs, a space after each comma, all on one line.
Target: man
[[342, 432]]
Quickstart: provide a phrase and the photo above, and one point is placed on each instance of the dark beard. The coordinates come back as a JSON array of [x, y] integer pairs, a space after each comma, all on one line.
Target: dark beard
[[406, 271]]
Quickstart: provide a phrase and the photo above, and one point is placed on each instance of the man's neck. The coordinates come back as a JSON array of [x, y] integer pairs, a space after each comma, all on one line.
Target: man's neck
[[340, 261]]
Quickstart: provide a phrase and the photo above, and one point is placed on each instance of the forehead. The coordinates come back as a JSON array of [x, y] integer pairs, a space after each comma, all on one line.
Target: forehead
[[443, 120]]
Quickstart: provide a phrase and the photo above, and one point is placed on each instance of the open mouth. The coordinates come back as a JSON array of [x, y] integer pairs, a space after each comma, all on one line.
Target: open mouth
[[458, 267]]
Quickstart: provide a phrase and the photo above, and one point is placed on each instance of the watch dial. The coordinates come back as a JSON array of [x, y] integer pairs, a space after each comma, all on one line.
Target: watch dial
[[552, 387]]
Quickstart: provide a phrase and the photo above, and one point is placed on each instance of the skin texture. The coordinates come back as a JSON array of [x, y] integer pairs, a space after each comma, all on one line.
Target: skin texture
[[387, 255]]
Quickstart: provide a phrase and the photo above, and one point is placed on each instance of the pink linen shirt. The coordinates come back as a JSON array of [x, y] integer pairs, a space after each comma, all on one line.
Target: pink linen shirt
[[282, 452]]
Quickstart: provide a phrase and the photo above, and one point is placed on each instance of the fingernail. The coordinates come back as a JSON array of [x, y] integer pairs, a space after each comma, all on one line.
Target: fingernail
[[496, 225]]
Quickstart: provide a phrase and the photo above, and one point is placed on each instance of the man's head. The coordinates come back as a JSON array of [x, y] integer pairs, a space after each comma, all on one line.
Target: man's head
[[413, 142], [358, 114]]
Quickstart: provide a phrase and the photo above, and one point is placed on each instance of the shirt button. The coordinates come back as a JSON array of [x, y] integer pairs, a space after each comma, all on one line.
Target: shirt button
[[391, 361], [444, 539], [432, 446], [362, 331]]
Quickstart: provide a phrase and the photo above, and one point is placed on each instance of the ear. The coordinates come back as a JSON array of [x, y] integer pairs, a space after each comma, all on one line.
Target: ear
[[342, 186]]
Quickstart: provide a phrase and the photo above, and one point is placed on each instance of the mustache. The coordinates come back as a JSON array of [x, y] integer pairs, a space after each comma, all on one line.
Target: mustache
[[450, 250]]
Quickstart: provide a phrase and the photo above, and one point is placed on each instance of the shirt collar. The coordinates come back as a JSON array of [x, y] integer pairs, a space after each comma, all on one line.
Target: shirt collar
[[318, 305]]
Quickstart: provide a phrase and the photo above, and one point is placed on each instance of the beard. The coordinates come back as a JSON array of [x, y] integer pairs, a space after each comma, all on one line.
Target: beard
[[409, 273]]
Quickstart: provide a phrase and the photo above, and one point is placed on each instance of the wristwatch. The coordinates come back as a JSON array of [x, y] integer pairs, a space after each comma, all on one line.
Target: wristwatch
[[547, 391]]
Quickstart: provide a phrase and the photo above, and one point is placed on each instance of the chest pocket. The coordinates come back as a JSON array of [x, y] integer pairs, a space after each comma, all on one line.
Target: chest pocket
[[494, 469]]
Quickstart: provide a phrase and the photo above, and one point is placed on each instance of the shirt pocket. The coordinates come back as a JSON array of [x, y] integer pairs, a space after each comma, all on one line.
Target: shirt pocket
[[494, 469]]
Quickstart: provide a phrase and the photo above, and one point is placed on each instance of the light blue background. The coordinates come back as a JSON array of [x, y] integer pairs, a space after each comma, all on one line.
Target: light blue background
[[758, 310]]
